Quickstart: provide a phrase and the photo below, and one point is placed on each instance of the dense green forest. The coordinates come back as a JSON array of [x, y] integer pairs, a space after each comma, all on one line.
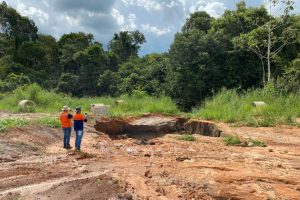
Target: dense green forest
[[244, 49]]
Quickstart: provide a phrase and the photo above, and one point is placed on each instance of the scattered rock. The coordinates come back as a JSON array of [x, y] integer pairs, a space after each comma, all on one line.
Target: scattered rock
[[251, 144], [258, 104], [147, 155], [125, 197], [270, 149], [160, 191], [182, 159], [122, 137], [148, 174]]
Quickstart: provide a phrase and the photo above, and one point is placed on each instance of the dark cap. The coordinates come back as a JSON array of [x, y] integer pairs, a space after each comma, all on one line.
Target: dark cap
[[78, 109]]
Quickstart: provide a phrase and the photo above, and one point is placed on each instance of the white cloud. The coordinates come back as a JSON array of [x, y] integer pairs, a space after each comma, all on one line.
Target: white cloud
[[215, 8], [155, 30], [130, 23], [71, 21], [33, 12], [149, 5], [118, 16]]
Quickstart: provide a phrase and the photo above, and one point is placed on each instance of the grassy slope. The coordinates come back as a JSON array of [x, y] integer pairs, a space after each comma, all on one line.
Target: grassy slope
[[52, 102], [229, 106]]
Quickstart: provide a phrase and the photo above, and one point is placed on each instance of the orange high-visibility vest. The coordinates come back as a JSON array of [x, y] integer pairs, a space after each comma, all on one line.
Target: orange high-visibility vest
[[65, 121]]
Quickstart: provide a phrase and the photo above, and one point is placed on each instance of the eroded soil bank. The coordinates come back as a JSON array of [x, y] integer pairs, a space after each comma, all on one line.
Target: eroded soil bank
[[155, 124], [33, 165]]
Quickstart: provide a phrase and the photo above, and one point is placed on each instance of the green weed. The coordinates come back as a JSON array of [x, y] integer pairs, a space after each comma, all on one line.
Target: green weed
[[232, 140], [187, 137], [51, 122], [5, 124], [258, 143]]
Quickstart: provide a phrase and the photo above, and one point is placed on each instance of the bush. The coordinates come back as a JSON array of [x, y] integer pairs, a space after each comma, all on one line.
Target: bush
[[12, 81], [258, 143], [51, 122], [187, 137], [10, 123], [290, 81], [232, 140]]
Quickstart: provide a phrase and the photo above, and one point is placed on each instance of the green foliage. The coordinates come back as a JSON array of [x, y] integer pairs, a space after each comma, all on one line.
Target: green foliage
[[187, 137], [16, 27], [232, 140], [52, 102], [12, 81], [108, 83], [198, 20], [5, 124], [51, 122], [143, 104], [231, 106], [68, 83], [258, 143], [193, 72], [207, 55], [126, 44], [290, 81]]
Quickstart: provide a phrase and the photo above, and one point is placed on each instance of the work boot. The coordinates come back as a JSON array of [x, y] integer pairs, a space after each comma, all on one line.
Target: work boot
[[68, 147]]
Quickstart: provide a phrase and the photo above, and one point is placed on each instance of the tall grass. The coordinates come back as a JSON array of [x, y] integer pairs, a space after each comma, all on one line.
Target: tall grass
[[52, 102], [133, 106], [230, 106]]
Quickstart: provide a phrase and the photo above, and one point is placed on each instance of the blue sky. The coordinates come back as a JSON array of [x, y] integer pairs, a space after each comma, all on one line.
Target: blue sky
[[158, 20]]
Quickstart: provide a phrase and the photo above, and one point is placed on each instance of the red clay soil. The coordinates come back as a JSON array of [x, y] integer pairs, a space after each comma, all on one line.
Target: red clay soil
[[161, 168]]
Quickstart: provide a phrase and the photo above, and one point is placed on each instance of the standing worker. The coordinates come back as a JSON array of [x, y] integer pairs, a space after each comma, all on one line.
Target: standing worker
[[66, 124], [78, 127]]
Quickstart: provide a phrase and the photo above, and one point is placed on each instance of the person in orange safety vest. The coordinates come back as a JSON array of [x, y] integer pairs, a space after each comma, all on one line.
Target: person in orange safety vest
[[66, 125]]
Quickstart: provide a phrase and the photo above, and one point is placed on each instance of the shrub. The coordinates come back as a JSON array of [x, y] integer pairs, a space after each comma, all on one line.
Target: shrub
[[51, 122], [232, 140], [258, 143], [187, 137], [5, 124]]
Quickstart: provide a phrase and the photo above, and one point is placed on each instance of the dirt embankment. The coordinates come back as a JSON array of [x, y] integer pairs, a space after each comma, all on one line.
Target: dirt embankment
[[150, 166]]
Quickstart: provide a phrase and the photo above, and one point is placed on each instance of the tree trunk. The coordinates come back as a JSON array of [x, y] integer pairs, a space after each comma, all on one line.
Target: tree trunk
[[269, 44], [263, 71]]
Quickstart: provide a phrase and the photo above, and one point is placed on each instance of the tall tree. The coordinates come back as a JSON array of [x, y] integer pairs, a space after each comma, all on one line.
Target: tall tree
[[15, 26], [199, 20], [269, 39], [69, 45], [126, 44]]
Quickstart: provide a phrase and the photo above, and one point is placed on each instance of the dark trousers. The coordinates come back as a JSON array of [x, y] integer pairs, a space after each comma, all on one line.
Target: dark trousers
[[67, 135]]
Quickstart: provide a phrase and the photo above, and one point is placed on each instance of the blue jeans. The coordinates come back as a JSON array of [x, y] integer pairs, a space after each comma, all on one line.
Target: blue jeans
[[79, 135], [67, 135]]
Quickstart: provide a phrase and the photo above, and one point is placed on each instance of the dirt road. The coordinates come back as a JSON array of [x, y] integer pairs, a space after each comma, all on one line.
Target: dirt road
[[33, 165]]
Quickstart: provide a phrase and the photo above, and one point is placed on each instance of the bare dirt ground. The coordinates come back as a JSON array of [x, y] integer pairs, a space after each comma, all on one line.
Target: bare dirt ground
[[33, 165]]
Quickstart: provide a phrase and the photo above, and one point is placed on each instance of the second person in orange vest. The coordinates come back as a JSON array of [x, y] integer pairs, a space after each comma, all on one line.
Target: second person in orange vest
[[78, 127]]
